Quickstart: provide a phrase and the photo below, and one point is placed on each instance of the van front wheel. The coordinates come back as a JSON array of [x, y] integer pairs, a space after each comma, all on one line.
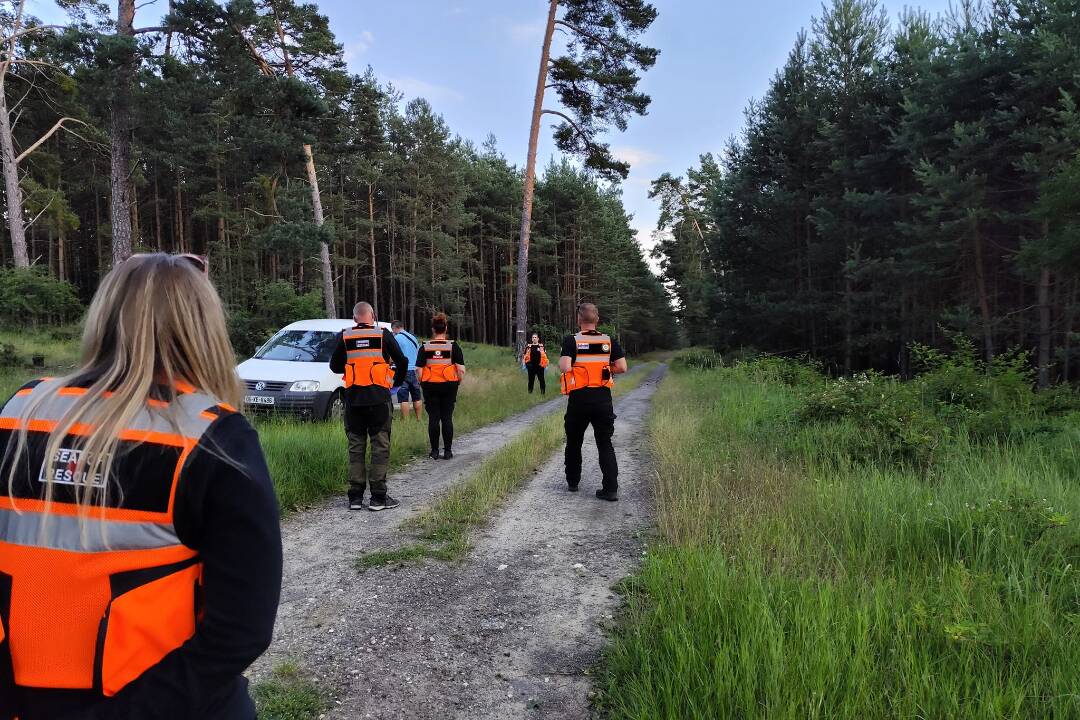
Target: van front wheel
[[335, 407]]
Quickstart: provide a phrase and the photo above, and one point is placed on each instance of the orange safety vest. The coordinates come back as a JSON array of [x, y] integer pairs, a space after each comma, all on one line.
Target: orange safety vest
[[592, 366], [365, 364], [91, 599], [439, 364]]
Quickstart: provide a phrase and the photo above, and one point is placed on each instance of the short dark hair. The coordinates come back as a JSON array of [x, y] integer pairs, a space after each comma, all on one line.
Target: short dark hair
[[587, 312], [396, 325], [440, 322]]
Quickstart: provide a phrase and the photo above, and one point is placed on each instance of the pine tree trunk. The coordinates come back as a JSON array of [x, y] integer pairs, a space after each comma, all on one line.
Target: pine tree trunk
[[157, 213], [12, 190], [530, 184], [120, 136], [370, 241], [980, 287], [1045, 330], [324, 249]]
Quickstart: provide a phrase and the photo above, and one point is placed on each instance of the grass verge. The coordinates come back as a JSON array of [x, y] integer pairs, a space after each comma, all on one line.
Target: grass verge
[[287, 695], [794, 581], [444, 531]]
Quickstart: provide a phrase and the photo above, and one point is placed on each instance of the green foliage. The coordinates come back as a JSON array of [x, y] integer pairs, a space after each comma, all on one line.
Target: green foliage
[[278, 305], [895, 178], [792, 579], [30, 297]]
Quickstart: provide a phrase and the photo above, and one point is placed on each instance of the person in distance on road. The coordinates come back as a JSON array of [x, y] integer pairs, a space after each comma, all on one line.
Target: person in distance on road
[[442, 366], [371, 362], [536, 361], [409, 391], [140, 549], [589, 362]]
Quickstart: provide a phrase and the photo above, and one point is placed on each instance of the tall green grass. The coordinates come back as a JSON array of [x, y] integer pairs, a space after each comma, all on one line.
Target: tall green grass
[[795, 581], [309, 461]]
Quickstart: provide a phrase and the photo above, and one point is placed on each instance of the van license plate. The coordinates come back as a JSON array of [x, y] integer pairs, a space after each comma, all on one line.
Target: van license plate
[[259, 400]]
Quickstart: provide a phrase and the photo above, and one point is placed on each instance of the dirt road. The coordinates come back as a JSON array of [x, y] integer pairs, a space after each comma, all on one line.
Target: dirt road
[[509, 632]]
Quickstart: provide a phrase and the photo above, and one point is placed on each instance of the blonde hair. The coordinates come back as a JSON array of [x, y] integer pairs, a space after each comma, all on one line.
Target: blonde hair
[[155, 323]]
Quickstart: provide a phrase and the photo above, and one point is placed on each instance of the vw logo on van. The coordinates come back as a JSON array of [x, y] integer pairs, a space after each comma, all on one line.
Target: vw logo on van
[[260, 386]]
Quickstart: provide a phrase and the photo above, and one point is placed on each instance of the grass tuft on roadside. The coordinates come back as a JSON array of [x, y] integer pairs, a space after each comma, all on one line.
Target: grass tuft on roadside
[[287, 695], [444, 531]]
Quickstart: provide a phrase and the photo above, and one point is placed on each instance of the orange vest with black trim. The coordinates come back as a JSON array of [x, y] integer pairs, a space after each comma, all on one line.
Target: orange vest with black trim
[[592, 366], [91, 599], [365, 364], [439, 364]]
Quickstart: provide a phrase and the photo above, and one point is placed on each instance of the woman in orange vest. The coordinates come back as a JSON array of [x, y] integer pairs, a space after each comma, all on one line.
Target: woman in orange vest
[[536, 361], [140, 550], [442, 366]]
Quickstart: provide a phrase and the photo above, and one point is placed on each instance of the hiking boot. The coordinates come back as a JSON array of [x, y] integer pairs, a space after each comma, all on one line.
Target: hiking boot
[[434, 454], [381, 502], [447, 455], [571, 487], [609, 495]]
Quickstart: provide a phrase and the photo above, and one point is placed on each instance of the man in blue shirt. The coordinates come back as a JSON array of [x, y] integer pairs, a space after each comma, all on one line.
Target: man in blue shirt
[[410, 388]]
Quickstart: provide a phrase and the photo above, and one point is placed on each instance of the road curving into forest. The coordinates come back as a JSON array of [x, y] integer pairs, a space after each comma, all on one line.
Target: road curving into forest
[[511, 631]]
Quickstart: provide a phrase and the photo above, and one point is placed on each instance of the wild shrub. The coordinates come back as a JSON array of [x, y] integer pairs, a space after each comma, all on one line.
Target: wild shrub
[[795, 372], [700, 359], [30, 297]]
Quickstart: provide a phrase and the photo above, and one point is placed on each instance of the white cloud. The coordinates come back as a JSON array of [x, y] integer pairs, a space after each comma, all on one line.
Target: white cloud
[[358, 47], [414, 87], [637, 157]]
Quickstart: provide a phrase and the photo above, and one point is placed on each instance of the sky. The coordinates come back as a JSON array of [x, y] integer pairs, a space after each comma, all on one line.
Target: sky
[[476, 62]]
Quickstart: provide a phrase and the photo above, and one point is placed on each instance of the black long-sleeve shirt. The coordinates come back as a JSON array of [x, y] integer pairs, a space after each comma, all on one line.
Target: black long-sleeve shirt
[[368, 395], [227, 510]]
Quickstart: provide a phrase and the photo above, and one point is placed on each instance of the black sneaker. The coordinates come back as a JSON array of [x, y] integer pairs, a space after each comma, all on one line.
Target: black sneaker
[[356, 503], [571, 487], [434, 454], [609, 495], [447, 455], [381, 502]]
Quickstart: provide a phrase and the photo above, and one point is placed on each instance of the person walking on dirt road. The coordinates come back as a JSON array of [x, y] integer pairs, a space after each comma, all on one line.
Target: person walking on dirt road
[[140, 548], [409, 391], [364, 355], [442, 366], [536, 362], [588, 364]]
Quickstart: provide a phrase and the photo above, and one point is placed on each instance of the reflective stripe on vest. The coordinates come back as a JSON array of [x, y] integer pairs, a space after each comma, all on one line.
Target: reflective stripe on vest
[[592, 364], [439, 364], [365, 364], [97, 595]]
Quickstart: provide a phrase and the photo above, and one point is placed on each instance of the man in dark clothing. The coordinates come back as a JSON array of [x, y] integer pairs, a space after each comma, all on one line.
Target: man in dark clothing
[[535, 363], [588, 363], [368, 409]]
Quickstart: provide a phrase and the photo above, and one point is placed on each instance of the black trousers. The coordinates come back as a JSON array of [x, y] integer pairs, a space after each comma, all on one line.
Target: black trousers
[[439, 401], [364, 424], [537, 373], [601, 416]]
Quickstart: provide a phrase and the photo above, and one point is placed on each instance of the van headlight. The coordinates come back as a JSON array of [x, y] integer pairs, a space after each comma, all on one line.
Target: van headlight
[[305, 386]]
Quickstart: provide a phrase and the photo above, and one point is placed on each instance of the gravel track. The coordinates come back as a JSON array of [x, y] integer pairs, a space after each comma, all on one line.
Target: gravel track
[[509, 632]]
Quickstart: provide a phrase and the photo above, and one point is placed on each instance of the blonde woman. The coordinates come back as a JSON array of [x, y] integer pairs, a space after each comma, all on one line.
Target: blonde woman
[[140, 550]]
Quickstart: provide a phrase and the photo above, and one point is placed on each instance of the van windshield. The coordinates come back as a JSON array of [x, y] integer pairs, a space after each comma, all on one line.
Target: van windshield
[[299, 346]]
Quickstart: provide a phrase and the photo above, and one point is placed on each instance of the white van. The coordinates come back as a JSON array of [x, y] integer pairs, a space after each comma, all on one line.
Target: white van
[[290, 374]]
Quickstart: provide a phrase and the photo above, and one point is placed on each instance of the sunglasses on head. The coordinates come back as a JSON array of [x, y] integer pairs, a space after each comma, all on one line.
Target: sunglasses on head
[[199, 261]]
